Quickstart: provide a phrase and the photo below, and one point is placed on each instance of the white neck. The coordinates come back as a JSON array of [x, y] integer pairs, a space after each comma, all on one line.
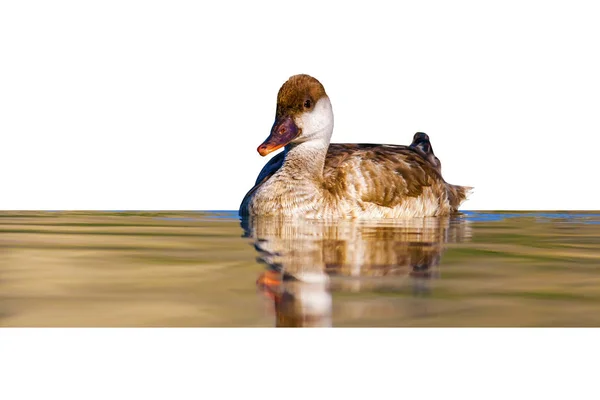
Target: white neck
[[305, 156], [317, 124]]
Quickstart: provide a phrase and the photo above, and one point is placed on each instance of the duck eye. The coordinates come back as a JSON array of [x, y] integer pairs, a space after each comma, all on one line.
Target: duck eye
[[307, 104]]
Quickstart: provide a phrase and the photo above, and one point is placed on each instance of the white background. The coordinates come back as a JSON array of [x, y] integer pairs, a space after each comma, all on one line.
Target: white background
[[295, 364], [161, 105]]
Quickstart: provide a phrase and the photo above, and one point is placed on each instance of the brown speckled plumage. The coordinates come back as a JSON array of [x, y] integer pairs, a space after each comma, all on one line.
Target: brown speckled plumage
[[314, 179]]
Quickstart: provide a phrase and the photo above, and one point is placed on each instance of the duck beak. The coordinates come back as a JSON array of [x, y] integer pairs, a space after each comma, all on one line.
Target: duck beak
[[284, 131]]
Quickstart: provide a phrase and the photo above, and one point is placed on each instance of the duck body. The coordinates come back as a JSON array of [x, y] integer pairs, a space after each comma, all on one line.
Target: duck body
[[359, 181], [312, 178]]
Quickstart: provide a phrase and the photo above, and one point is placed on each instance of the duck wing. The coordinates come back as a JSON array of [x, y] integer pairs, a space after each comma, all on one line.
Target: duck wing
[[379, 174], [386, 175]]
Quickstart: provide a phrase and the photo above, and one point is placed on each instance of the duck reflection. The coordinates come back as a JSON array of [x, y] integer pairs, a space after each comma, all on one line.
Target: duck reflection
[[307, 260]]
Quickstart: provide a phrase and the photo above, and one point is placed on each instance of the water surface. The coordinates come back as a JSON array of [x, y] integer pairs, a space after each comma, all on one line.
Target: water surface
[[211, 269]]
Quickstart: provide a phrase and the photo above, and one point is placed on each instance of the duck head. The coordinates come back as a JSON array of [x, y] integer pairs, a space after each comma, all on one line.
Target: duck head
[[303, 114]]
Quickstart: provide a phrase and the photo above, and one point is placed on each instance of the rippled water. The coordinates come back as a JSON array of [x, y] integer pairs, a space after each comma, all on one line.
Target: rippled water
[[211, 269]]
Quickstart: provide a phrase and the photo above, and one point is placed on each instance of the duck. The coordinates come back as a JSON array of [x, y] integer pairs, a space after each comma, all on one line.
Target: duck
[[316, 179]]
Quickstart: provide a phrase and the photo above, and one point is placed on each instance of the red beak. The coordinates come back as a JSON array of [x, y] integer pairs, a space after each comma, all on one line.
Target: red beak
[[284, 131]]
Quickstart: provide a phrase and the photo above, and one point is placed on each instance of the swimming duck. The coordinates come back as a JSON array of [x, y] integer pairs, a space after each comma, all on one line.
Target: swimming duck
[[312, 178]]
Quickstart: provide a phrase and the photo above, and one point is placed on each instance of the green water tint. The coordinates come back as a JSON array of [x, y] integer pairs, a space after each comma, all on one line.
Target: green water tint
[[201, 269]]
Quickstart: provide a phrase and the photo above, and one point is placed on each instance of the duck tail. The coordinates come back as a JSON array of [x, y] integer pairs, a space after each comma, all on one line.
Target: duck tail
[[422, 144], [458, 194]]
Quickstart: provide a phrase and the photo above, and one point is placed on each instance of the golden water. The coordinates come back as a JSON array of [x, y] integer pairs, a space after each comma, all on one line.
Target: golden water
[[211, 269]]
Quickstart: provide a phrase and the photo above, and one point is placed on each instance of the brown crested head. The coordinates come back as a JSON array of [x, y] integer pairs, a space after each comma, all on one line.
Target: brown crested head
[[298, 95]]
